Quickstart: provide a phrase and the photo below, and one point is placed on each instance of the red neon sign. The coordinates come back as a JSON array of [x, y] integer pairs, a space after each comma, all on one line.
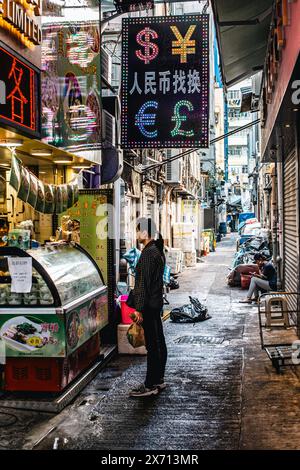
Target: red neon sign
[[18, 94]]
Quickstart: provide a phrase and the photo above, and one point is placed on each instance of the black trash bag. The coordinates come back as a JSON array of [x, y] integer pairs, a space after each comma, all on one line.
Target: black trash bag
[[173, 284], [190, 313]]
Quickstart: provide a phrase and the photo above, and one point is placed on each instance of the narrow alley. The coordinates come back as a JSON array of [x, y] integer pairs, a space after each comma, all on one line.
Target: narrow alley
[[149, 228], [222, 390]]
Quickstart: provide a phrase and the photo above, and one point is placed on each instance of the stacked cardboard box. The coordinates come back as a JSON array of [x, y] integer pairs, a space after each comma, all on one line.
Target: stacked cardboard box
[[188, 245], [174, 259], [190, 258], [184, 236]]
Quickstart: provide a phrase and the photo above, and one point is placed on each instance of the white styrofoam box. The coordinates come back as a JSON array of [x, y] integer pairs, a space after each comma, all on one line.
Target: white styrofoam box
[[174, 253], [174, 259], [190, 254], [190, 264], [175, 269], [177, 230], [189, 231], [124, 347], [184, 230], [190, 258], [188, 245], [172, 262], [178, 243]]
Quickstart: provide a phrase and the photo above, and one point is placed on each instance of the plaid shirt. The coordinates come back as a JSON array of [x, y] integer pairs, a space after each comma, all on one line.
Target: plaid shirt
[[148, 288]]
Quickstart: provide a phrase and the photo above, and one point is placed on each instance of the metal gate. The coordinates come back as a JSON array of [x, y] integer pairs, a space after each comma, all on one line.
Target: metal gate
[[290, 184]]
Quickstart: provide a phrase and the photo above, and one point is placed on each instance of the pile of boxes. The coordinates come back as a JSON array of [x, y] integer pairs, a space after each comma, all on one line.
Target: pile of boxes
[[174, 259], [190, 259], [184, 237]]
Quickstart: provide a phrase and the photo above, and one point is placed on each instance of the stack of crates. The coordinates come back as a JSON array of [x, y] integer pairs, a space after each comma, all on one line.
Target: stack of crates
[[190, 259], [174, 259], [184, 239]]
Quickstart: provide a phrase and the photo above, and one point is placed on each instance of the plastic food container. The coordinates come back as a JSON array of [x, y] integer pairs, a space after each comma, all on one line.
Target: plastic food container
[[125, 310], [46, 301], [30, 299]]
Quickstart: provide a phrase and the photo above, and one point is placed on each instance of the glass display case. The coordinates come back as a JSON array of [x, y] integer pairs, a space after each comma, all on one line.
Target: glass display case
[[72, 272], [66, 306]]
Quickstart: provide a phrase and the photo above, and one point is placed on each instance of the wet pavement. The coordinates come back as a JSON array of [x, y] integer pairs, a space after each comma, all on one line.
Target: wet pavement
[[222, 390]]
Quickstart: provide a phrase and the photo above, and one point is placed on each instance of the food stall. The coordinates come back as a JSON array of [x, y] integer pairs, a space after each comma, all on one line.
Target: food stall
[[50, 318]]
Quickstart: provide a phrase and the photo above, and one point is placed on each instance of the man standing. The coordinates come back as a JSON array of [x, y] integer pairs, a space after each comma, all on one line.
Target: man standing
[[266, 280], [148, 302]]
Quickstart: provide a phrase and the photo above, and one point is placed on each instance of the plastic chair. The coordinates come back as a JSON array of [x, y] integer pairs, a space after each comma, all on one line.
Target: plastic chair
[[282, 308]]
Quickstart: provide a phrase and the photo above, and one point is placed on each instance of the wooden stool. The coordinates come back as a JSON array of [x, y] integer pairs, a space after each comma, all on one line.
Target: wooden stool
[[283, 319]]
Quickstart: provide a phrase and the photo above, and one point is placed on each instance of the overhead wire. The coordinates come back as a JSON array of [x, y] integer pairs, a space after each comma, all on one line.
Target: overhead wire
[[188, 151]]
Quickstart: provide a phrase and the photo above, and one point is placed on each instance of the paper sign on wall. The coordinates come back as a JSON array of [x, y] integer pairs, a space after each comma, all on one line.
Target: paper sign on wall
[[21, 274]]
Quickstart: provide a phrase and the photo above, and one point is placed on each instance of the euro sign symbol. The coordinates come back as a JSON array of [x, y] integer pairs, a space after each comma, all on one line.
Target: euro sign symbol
[[179, 119], [142, 120], [151, 49]]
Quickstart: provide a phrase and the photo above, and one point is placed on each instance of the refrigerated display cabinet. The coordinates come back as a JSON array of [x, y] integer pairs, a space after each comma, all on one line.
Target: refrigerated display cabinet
[[51, 334]]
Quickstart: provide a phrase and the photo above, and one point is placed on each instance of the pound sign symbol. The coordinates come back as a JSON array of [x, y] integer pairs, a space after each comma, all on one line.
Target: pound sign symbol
[[151, 49], [179, 118]]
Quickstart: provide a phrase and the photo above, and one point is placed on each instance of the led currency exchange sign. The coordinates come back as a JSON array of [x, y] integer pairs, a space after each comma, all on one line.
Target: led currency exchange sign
[[165, 81]]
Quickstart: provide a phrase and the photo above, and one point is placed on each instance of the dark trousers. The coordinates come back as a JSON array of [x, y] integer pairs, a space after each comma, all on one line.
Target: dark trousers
[[156, 347]]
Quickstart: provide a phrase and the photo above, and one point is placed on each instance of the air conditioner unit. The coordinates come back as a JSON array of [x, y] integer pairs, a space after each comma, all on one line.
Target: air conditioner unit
[[106, 65], [257, 83], [174, 168], [108, 130]]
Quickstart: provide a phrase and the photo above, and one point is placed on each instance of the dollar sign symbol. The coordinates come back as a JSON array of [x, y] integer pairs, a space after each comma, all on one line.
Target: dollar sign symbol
[[151, 50]]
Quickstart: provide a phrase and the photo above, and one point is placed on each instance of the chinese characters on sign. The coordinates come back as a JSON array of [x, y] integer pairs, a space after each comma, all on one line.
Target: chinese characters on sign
[[19, 94], [123, 6], [165, 82]]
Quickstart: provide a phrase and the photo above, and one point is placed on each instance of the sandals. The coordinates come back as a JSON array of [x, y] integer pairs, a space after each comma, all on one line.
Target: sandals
[[245, 301]]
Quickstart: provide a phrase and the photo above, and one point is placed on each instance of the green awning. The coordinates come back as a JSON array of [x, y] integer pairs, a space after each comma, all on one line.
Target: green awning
[[243, 29]]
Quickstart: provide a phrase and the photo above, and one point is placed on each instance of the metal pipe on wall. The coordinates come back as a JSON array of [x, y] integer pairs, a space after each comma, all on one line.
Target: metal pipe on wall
[[279, 172], [274, 216]]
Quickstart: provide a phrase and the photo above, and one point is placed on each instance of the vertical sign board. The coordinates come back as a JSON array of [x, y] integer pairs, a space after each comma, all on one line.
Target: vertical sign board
[[19, 94], [91, 211], [165, 82], [71, 83], [94, 211]]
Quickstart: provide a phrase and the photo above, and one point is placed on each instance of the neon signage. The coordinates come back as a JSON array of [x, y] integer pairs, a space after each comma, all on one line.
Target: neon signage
[[19, 94], [165, 81], [71, 83], [19, 18]]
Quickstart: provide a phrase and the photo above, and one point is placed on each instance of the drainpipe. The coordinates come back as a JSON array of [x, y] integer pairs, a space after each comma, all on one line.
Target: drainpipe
[[274, 217], [279, 210]]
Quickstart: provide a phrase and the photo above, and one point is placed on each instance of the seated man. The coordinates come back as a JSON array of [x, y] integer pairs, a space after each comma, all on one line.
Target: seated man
[[266, 280]]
